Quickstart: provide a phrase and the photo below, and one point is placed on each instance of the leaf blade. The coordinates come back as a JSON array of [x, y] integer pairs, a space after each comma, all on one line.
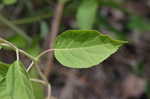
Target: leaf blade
[[83, 49], [18, 84]]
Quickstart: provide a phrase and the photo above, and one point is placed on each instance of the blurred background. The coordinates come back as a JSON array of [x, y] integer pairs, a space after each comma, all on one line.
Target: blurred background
[[33, 25]]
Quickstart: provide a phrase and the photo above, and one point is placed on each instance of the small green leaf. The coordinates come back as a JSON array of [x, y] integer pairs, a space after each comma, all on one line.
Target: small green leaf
[[16, 84], [9, 2], [83, 49], [86, 14]]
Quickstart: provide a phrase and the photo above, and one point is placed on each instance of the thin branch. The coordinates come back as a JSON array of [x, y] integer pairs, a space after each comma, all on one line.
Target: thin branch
[[38, 81], [45, 79], [58, 12], [44, 83], [8, 44], [28, 55], [45, 52], [49, 91], [30, 66], [17, 54], [40, 72]]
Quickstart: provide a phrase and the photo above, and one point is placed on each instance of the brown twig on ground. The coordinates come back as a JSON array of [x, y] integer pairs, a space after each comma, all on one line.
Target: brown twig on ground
[[58, 12]]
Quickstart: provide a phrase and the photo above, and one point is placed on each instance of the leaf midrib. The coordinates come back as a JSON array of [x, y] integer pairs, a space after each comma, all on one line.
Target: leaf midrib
[[79, 48]]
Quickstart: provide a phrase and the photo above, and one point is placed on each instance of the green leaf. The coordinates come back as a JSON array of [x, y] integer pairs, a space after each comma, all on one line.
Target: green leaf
[[16, 84], [84, 48], [86, 14], [9, 2]]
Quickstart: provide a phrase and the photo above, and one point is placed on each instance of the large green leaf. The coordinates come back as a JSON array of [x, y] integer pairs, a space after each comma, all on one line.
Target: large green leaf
[[83, 49], [86, 14], [16, 84]]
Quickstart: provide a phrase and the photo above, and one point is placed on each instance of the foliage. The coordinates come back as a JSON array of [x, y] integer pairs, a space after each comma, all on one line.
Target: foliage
[[74, 48], [16, 78]]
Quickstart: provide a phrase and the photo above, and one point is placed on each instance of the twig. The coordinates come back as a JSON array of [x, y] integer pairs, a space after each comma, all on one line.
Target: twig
[[44, 83], [46, 51], [45, 80], [17, 54], [38, 81], [58, 12], [8, 44], [30, 66], [37, 58]]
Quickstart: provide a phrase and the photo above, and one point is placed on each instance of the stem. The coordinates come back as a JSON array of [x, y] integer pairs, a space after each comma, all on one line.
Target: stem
[[44, 83], [15, 28], [30, 66], [38, 57], [14, 48], [43, 53], [40, 72], [28, 55], [49, 91], [17, 54], [38, 81], [45, 79]]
